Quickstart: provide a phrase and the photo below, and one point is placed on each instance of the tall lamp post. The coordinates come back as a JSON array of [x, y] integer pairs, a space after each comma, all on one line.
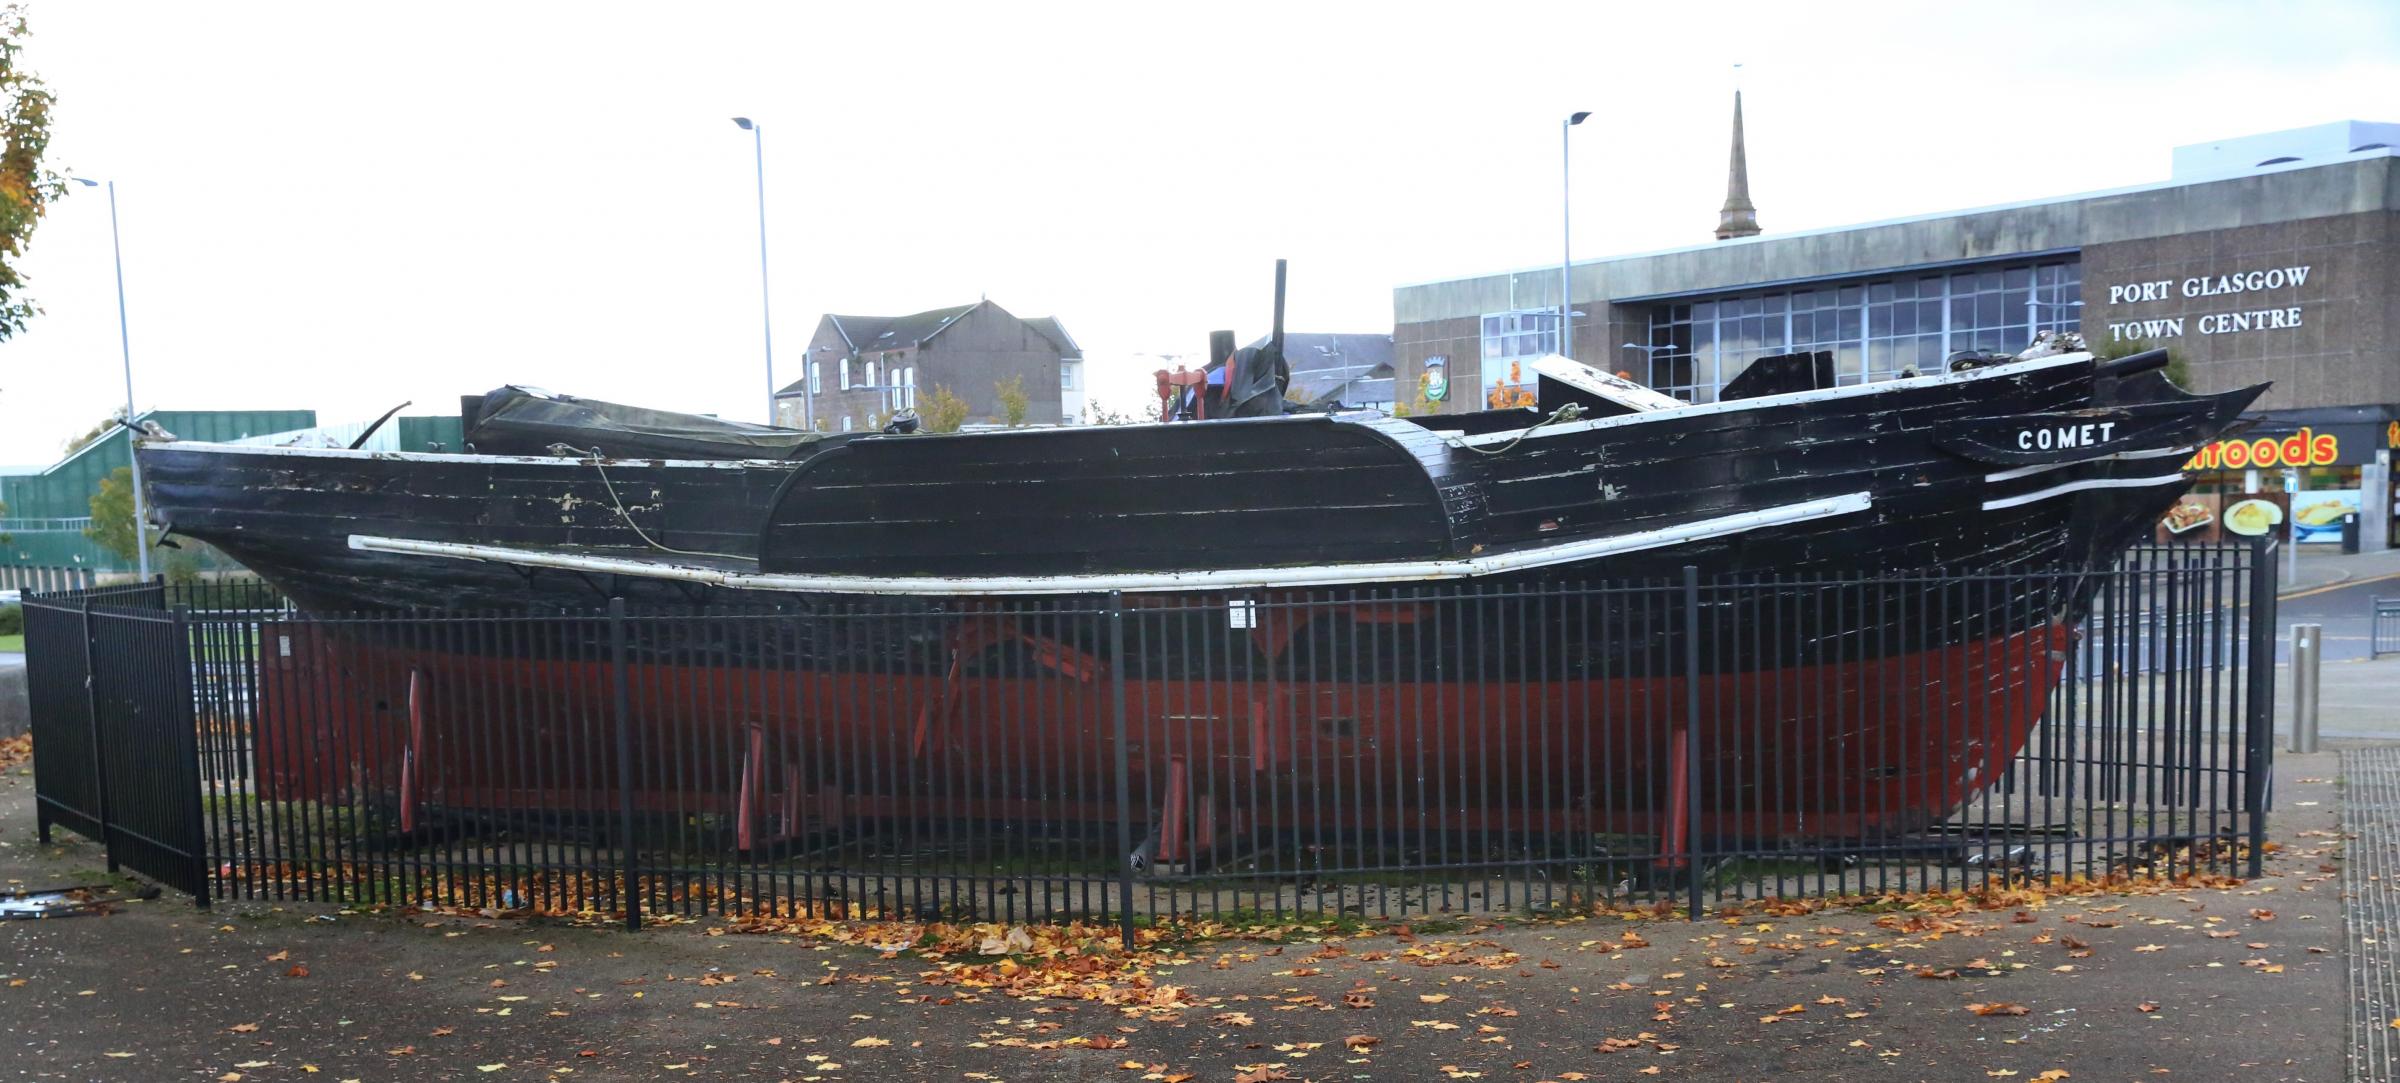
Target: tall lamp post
[[1566, 241], [141, 514], [2038, 306], [766, 315], [1650, 356]]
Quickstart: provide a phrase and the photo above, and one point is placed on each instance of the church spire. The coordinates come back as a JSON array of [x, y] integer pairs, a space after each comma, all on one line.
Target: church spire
[[1739, 217]]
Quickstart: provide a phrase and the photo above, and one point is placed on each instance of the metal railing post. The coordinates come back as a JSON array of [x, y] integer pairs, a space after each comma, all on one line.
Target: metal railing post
[[196, 834], [1124, 765], [2258, 738], [628, 844], [1691, 731], [91, 713], [2308, 642]]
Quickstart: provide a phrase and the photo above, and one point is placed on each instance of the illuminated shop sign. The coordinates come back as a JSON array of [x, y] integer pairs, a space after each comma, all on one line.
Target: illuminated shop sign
[[2307, 447]]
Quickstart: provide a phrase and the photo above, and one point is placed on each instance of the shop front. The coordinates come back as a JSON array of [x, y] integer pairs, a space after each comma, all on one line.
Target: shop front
[[2296, 475]]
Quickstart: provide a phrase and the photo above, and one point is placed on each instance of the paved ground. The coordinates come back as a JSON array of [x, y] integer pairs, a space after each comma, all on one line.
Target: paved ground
[[2323, 565], [2240, 984], [2344, 609]]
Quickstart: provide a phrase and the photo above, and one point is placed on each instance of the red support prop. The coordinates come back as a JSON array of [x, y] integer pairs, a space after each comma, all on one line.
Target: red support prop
[[412, 756], [746, 805], [1678, 810], [1173, 819]]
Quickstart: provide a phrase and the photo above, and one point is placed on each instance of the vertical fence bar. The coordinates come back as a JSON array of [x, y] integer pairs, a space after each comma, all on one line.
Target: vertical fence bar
[[91, 700], [195, 835], [628, 845], [1124, 765], [1691, 738], [2259, 725]]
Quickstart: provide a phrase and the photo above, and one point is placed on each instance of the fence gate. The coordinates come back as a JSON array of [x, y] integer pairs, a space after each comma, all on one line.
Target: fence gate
[[119, 755]]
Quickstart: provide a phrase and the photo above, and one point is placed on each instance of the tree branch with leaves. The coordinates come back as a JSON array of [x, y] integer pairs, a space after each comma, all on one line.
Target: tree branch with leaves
[[26, 188], [1014, 403], [944, 411]]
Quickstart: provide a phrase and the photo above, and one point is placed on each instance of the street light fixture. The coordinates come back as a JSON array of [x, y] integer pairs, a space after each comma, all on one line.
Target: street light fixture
[[1566, 241], [766, 315], [2040, 304], [141, 516]]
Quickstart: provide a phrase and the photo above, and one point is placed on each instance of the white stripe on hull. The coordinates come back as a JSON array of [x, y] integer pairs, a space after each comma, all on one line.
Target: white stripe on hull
[[2029, 471], [2079, 486], [1101, 582]]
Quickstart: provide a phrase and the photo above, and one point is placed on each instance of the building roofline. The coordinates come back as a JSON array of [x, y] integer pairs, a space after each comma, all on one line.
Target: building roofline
[[1936, 216]]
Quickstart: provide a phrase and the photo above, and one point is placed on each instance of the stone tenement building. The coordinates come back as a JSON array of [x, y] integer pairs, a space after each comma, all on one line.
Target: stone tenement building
[[861, 369]]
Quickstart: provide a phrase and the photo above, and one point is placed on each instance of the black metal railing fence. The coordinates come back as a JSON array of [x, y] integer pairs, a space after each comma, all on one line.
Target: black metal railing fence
[[1381, 752]]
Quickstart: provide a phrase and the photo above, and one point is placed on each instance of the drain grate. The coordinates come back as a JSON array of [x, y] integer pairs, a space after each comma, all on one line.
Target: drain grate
[[2371, 887]]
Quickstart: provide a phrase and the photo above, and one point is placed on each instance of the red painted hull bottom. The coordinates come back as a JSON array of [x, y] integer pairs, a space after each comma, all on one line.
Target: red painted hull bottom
[[1851, 751]]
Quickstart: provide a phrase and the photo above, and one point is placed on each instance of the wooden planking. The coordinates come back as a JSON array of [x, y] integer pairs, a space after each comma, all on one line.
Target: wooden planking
[[1235, 494], [208, 494]]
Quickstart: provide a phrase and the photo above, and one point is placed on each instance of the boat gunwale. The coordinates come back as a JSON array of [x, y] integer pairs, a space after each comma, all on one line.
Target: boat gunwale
[[1539, 429]]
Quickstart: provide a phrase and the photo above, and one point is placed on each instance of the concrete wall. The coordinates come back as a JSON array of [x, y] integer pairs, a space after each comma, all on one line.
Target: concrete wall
[[2341, 351], [980, 350]]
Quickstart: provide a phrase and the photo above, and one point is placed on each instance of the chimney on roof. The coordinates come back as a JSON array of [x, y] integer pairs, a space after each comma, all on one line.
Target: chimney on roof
[[1739, 217]]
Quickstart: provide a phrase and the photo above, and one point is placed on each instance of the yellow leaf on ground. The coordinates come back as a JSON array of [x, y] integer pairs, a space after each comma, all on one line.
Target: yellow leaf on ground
[[869, 1043]]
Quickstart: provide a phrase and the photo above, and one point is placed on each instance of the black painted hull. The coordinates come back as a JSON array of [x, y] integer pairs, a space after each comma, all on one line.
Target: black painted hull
[[1300, 498]]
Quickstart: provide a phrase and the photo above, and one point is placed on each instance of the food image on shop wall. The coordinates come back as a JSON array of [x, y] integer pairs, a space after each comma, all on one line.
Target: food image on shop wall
[[2252, 518], [2189, 515]]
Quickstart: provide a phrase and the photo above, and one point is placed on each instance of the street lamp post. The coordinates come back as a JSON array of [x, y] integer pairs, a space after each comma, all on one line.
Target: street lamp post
[[141, 513], [766, 314], [1566, 242], [2038, 305], [1650, 356]]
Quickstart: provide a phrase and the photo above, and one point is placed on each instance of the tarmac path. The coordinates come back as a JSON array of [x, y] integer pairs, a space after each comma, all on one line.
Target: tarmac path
[[2241, 983]]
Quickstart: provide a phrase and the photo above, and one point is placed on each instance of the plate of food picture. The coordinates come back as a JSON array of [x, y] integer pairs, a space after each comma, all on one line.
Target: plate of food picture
[[2188, 516], [2253, 518]]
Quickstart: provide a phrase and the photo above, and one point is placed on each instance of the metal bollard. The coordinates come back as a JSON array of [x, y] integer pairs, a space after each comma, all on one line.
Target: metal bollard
[[2306, 639]]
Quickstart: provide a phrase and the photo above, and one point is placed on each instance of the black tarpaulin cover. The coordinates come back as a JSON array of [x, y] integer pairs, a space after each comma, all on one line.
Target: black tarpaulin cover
[[523, 421]]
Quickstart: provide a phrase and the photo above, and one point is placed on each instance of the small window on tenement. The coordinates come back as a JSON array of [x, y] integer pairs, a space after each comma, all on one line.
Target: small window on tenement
[[845, 424], [1067, 375], [845, 384]]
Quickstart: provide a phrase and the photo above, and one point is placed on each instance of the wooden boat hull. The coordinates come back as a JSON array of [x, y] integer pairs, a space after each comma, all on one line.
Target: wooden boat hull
[[1849, 750]]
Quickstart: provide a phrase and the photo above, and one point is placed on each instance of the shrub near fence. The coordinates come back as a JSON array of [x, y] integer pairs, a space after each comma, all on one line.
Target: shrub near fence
[[1386, 752]]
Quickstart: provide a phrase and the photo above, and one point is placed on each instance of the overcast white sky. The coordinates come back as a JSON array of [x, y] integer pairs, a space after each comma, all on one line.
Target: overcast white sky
[[341, 206]]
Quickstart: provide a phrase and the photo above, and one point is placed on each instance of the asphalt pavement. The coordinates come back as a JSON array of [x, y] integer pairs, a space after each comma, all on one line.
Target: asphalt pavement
[[2343, 607], [2243, 981]]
